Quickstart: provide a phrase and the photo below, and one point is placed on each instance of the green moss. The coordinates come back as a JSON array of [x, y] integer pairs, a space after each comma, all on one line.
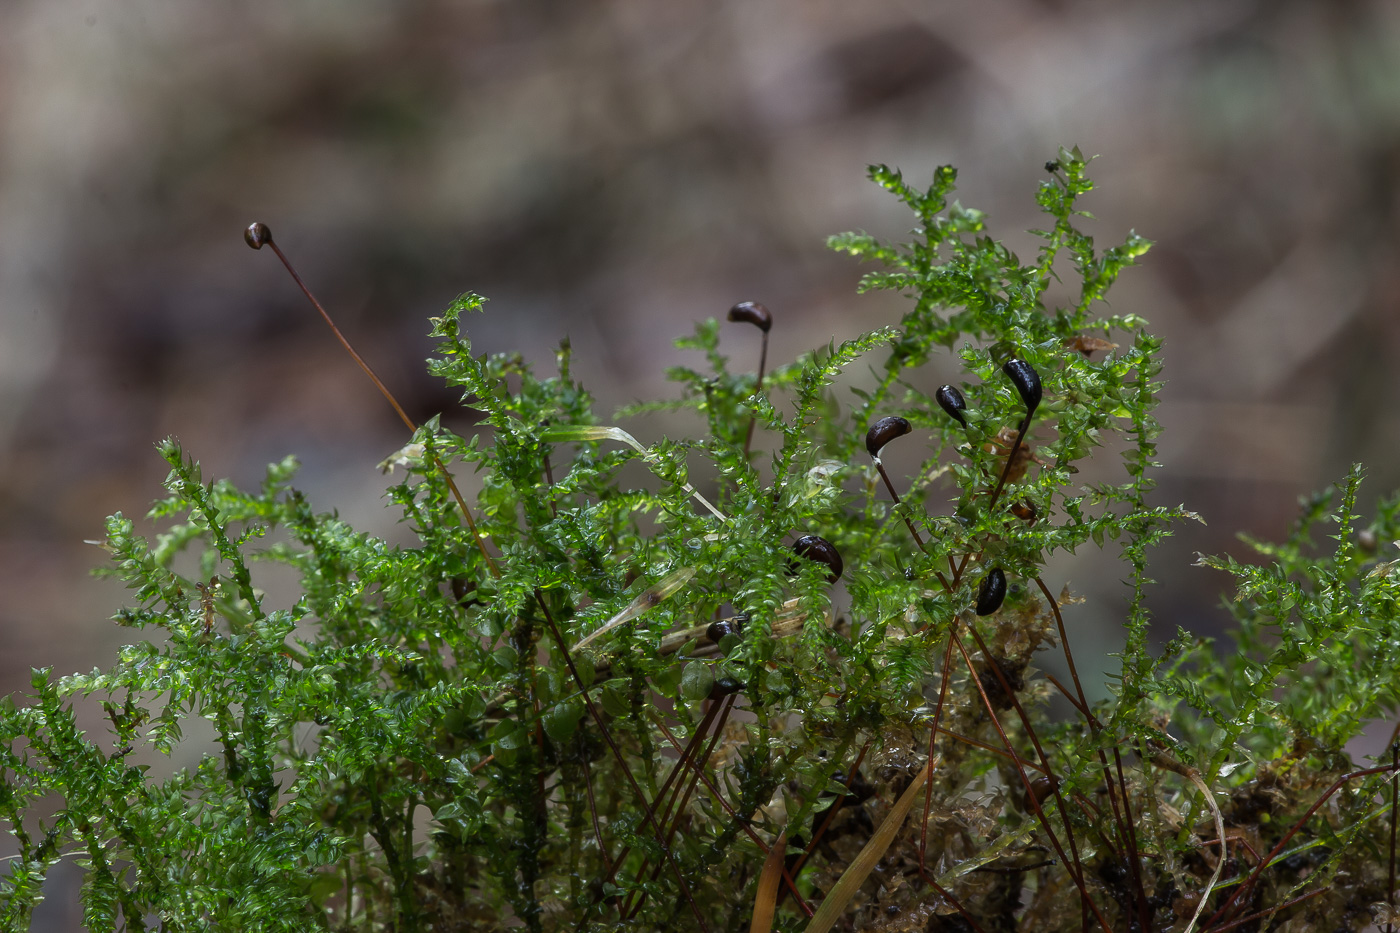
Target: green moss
[[452, 678]]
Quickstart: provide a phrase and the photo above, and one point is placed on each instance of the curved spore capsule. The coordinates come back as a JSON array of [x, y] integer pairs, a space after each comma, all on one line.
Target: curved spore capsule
[[817, 548], [722, 627], [951, 401], [718, 630], [991, 592], [257, 235], [724, 686], [880, 434], [1026, 380], [751, 312], [462, 588], [884, 431], [858, 790], [1042, 787]]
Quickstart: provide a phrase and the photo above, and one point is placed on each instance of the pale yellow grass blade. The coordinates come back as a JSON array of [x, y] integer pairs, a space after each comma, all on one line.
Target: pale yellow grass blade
[[1195, 778], [766, 900], [649, 598], [836, 902], [574, 433]]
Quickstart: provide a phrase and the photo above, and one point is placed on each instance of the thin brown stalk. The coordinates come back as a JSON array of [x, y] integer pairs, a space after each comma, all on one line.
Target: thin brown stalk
[[1103, 761], [753, 419], [622, 762], [495, 571], [698, 763], [383, 390], [996, 493], [880, 467], [1076, 870], [948, 896], [1130, 836], [393, 402], [789, 885], [1258, 915], [995, 667], [1122, 819], [689, 757], [933, 738], [1394, 806], [678, 809], [593, 814], [1011, 458], [1064, 692], [1253, 877], [701, 731], [1023, 762]]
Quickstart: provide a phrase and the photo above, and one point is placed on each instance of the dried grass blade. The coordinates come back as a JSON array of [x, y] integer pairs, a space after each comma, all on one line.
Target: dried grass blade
[[576, 433], [1195, 778], [836, 902], [649, 598], [766, 900]]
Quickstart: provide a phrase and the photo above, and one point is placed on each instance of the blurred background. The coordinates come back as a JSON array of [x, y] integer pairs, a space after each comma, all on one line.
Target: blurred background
[[616, 170]]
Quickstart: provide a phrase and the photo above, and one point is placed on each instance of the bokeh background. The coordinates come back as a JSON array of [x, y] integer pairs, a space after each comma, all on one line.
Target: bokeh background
[[615, 170]]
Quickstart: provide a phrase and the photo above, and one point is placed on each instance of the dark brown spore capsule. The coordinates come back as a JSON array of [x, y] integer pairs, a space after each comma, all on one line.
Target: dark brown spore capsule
[[751, 312], [884, 431], [723, 627], [1025, 511], [1026, 380], [1041, 788], [257, 235], [858, 791], [951, 401], [991, 592], [718, 630], [463, 588], [723, 687], [817, 548]]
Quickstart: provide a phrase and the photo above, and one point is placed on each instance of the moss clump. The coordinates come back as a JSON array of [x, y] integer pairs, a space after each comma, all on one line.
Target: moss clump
[[576, 704]]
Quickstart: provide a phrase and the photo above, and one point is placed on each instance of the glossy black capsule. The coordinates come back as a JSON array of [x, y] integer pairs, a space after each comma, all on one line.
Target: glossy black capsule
[[751, 312], [991, 592], [884, 431], [858, 790], [817, 548], [1042, 787], [951, 401], [462, 588], [724, 686], [723, 627], [1026, 380], [257, 235]]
